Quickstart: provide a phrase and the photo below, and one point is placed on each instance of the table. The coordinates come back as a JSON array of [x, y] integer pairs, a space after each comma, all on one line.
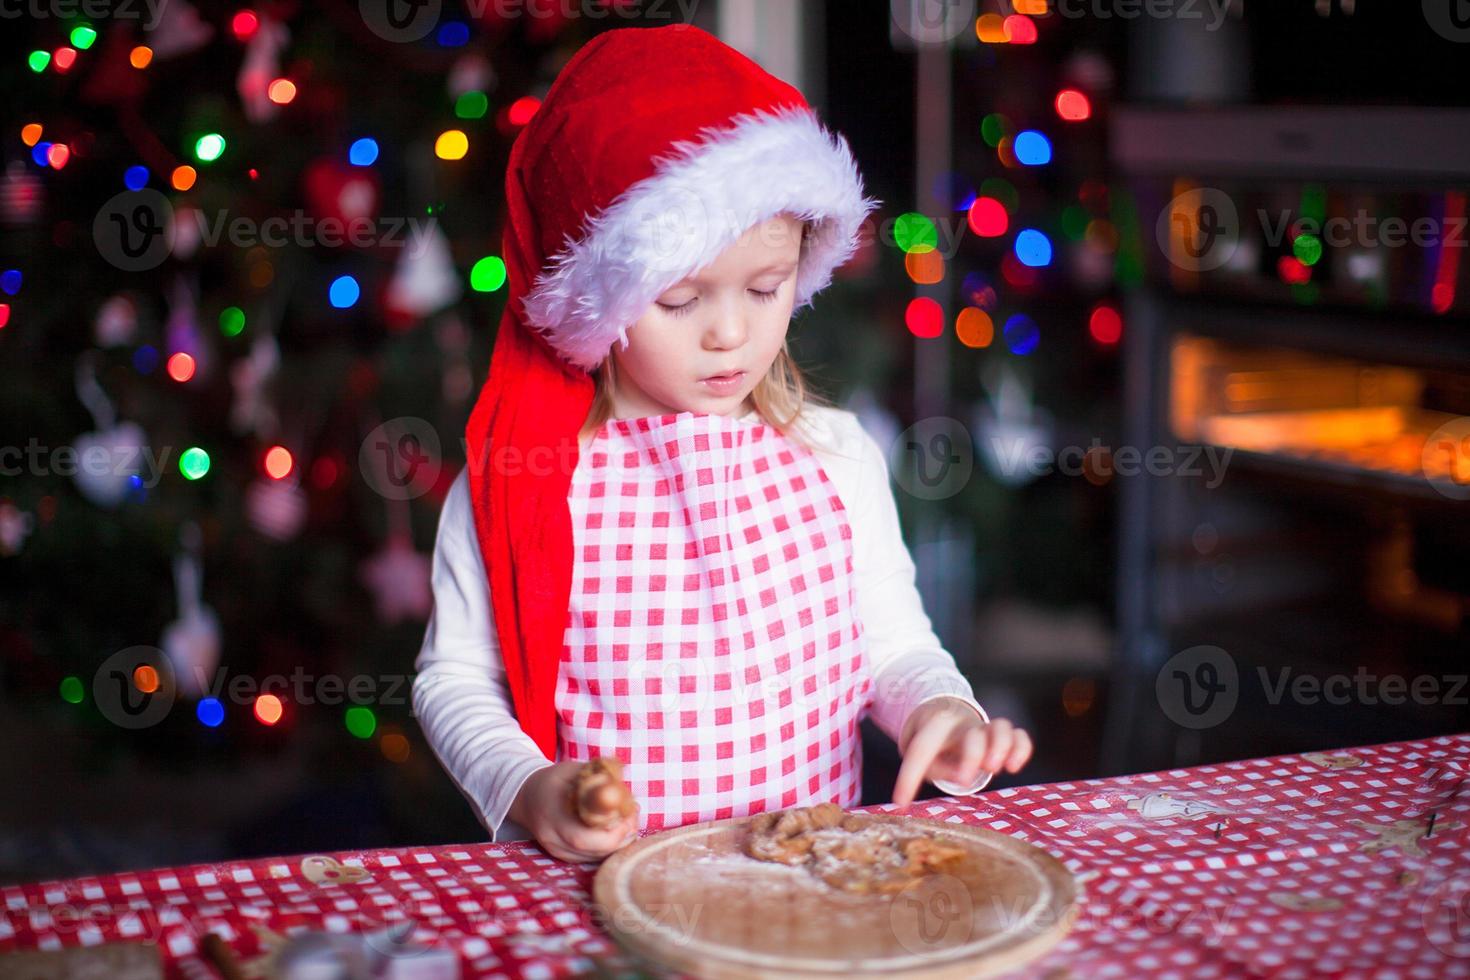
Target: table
[[1347, 863]]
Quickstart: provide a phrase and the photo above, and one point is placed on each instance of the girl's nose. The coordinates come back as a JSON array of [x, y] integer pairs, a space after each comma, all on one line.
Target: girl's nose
[[727, 328]]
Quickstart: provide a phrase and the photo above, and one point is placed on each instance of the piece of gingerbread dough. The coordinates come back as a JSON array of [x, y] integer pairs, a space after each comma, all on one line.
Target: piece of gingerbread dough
[[851, 852], [599, 796]]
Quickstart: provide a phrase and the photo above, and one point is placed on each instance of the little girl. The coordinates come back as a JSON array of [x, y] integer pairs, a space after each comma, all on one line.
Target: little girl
[[663, 549]]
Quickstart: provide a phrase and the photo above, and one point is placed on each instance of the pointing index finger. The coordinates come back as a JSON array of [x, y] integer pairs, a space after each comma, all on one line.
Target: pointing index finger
[[923, 748]]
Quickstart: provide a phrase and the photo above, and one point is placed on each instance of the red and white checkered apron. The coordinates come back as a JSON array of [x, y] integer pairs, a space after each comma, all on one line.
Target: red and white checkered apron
[[712, 642]]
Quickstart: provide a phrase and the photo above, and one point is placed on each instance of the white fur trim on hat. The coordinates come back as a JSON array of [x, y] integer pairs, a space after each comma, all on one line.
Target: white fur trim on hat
[[701, 198]]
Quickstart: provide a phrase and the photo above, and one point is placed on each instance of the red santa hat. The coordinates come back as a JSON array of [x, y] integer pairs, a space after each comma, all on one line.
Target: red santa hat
[[653, 151]]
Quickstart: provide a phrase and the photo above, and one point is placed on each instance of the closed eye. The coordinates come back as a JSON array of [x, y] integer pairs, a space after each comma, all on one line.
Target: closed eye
[[679, 310], [762, 296]]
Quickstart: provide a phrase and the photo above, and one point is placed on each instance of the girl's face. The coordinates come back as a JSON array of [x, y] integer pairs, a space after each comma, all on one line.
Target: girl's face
[[730, 316]]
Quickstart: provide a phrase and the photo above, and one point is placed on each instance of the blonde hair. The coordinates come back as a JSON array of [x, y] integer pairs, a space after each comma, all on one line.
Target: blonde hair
[[779, 398]]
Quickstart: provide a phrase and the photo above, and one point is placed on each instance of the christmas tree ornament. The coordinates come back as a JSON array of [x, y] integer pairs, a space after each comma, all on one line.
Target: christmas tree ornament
[[15, 526], [186, 229], [250, 412], [425, 280], [261, 66], [117, 322], [178, 31], [1091, 266], [1009, 427], [398, 576], [471, 72], [108, 457], [681, 173], [276, 508], [21, 195], [399, 579], [192, 642], [339, 191], [117, 453]]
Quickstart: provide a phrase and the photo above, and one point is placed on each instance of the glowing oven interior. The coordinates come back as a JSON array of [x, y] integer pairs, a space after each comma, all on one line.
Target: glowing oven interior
[[1352, 414]]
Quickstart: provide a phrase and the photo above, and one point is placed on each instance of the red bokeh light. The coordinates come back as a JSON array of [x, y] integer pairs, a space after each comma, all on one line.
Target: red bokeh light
[[1105, 324], [245, 24], [988, 218], [522, 109], [924, 317], [1073, 106], [1020, 29], [181, 367], [268, 709], [1293, 270], [278, 462]]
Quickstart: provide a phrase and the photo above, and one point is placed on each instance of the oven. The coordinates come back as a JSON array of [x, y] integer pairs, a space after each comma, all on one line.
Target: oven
[[1303, 331]]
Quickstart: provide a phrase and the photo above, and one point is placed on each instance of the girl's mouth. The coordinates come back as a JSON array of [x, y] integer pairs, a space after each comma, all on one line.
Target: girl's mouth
[[725, 382]]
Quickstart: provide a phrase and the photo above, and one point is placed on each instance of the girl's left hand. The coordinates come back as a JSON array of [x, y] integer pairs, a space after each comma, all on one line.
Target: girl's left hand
[[949, 741]]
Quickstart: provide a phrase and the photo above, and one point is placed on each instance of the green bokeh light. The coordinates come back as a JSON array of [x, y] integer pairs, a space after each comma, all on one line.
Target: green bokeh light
[[1308, 248], [209, 148], [1074, 222], [361, 721], [915, 233], [488, 274], [194, 463], [71, 690], [993, 128], [471, 105], [232, 321]]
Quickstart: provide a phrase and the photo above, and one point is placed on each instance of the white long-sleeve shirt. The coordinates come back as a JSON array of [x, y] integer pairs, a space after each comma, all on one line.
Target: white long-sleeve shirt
[[464, 707]]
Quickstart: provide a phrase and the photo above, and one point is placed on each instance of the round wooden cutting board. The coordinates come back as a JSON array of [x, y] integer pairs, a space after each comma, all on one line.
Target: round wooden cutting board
[[690, 900]]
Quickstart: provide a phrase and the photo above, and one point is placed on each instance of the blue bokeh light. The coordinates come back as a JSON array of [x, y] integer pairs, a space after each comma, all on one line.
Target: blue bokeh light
[[364, 153], [454, 34], [1033, 248], [345, 292], [1021, 334], [210, 712], [1033, 148]]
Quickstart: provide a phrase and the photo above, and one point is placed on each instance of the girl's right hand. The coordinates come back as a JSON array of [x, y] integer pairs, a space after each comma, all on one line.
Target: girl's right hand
[[542, 808]]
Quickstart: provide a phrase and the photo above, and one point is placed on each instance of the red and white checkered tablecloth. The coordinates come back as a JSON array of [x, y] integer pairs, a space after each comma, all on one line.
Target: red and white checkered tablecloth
[[1353, 863]]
